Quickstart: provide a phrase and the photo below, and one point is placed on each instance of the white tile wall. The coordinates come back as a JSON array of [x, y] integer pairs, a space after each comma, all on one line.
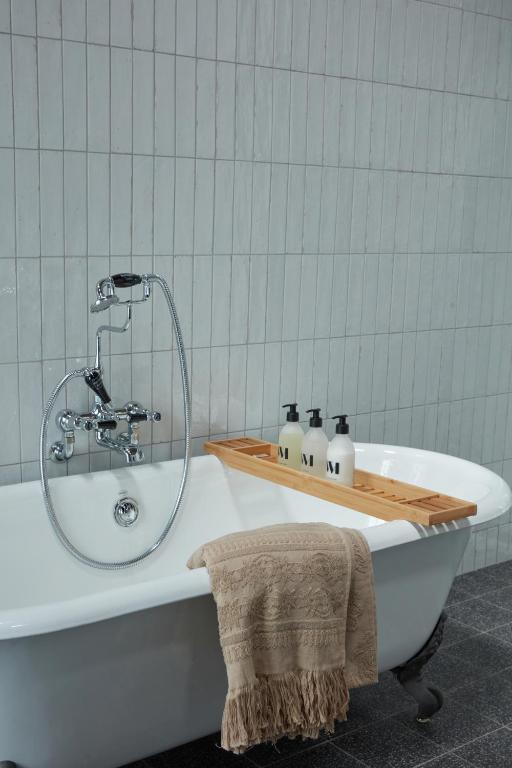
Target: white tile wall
[[327, 185]]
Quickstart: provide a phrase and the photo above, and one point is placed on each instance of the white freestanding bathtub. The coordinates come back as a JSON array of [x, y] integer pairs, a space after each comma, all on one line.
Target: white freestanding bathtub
[[101, 668]]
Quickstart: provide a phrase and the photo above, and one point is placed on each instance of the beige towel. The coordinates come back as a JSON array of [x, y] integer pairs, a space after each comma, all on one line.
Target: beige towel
[[297, 626]]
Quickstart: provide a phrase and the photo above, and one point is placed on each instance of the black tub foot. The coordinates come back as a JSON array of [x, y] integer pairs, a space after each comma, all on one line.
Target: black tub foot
[[7, 764], [410, 676]]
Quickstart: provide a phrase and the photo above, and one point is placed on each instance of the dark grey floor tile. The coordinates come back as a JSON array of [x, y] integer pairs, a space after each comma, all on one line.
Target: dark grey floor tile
[[478, 582], [491, 697], [485, 653], [455, 724], [501, 597], [457, 592], [388, 744], [501, 572], [446, 761], [455, 632], [503, 633], [446, 671], [268, 754], [322, 756], [491, 751], [197, 754], [479, 614]]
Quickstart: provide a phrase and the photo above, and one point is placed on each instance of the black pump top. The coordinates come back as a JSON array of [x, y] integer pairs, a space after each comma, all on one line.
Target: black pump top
[[292, 414], [341, 426], [316, 419]]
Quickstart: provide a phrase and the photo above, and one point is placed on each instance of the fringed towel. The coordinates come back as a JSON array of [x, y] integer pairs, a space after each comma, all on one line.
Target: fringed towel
[[296, 612]]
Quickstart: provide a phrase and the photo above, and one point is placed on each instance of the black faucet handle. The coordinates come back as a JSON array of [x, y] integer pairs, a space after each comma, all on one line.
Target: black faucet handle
[[126, 279], [94, 381]]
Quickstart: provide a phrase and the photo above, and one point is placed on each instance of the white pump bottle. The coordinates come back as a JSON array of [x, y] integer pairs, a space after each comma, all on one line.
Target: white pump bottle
[[341, 454], [290, 439], [314, 446]]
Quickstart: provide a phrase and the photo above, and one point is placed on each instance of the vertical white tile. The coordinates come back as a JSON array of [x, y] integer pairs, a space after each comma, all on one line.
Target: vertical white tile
[[6, 115], [28, 275], [453, 49], [98, 22], [186, 27], [314, 126], [226, 29], [328, 209], [238, 320], [205, 109], [24, 64], [5, 16], [143, 24], [244, 117], [312, 199], [363, 124], [223, 213], [397, 40], [142, 216], [308, 281], [283, 34], [74, 96], [163, 225], [143, 100], [221, 291], [426, 43], [120, 204], [206, 29], [202, 301], [236, 388], [317, 36], [75, 286], [225, 110], [200, 426], [75, 204], [121, 100], [52, 203], [347, 124], [98, 95], [298, 114], [280, 116], [121, 23], [262, 114], [365, 51], [439, 48], [203, 218], [165, 20], [350, 39], [254, 386], [8, 325], [98, 173], [184, 207], [382, 40], [242, 206], [264, 45], [50, 94], [245, 31], [300, 34], [23, 17], [412, 36], [52, 307], [295, 208], [74, 20], [260, 207], [7, 216], [182, 289], [278, 207], [275, 287], [27, 203], [30, 390], [219, 391]]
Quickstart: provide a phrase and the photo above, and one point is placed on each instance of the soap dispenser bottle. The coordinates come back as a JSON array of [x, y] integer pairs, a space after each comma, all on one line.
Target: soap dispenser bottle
[[314, 446], [290, 438], [341, 454]]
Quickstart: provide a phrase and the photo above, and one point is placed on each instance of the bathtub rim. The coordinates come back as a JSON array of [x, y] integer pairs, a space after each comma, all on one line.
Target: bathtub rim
[[125, 598]]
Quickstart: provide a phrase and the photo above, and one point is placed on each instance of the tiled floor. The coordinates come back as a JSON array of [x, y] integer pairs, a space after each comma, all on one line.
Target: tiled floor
[[473, 730]]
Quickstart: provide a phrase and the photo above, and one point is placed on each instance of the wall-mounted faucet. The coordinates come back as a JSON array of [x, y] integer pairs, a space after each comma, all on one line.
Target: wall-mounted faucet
[[104, 419]]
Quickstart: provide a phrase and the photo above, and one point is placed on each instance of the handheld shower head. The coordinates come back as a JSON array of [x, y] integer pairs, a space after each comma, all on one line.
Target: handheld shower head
[[104, 302], [105, 295]]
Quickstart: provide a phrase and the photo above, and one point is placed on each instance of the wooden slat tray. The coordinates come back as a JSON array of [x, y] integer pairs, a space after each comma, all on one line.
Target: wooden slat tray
[[372, 494]]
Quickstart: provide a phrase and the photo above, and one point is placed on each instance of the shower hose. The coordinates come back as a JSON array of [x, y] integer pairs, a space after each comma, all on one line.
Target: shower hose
[[116, 565]]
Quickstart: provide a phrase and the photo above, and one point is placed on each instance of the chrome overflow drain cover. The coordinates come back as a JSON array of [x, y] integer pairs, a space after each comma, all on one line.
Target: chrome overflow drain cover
[[126, 511]]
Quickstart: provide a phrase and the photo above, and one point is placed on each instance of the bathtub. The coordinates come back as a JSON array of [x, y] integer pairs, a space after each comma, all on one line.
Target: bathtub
[[99, 669]]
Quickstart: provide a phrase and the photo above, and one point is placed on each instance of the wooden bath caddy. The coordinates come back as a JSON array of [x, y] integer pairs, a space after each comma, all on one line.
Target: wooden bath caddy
[[372, 494]]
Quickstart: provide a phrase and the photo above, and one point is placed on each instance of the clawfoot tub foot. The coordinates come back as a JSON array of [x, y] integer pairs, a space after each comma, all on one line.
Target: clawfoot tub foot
[[410, 676]]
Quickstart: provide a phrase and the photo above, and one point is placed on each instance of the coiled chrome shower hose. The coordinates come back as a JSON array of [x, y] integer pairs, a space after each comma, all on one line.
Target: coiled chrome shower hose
[[116, 565]]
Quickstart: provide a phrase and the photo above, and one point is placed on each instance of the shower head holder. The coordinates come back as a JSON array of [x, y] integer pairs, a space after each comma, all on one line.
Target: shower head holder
[[106, 295]]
